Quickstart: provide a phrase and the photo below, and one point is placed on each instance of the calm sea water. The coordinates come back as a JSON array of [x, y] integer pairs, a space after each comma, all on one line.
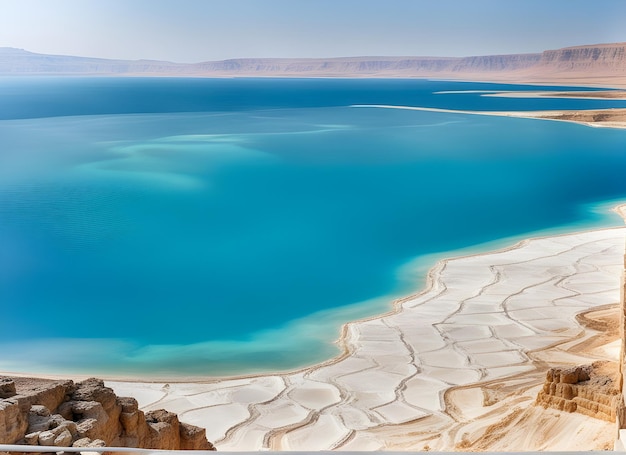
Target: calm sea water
[[198, 226]]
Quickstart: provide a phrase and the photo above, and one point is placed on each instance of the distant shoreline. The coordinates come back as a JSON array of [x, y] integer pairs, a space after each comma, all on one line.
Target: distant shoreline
[[590, 82], [601, 65], [599, 118]]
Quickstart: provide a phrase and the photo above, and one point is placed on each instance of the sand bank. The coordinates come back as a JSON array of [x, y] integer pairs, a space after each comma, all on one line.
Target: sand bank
[[582, 94], [600, 118], [465, 356], [605, 118]]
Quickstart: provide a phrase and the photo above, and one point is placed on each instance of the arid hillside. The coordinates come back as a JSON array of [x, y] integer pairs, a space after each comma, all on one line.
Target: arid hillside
[[603, 64]]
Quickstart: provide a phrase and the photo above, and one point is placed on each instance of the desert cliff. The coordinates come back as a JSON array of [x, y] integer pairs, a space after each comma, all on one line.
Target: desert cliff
[[87, 414], [592, 390]]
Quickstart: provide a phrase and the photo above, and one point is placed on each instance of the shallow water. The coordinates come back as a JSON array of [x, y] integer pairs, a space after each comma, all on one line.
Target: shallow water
[[194, 226]]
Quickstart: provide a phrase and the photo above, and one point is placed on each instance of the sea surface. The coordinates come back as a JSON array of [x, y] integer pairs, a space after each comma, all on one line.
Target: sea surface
[[224, 226]]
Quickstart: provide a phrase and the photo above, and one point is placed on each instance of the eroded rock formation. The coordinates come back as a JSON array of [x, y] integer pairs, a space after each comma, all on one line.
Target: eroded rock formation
[[592, 390], [87, 414]]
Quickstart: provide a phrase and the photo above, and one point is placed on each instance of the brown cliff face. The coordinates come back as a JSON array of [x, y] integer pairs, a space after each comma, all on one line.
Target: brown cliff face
[[606, 57], [87, 414]]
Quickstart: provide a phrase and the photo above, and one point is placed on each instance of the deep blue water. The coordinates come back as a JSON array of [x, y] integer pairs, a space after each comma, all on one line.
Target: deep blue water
[[200, 226]]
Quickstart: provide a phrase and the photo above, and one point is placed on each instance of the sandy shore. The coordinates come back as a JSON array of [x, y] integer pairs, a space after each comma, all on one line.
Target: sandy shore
[[602, 118], [597, 118], [607, 118], [455, 367], [576, 95]]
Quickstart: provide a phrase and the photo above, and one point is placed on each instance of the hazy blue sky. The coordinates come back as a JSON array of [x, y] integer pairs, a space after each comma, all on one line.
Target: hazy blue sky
[[198, 30]]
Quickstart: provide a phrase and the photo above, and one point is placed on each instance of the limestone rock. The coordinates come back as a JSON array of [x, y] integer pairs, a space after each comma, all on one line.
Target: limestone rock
[[87, 414], [7, 388], [32, 438], [50, 395], [94, 390], [46, 438], [70, 426], [64, 439], [86, 442], [163, 426], [13, 421], [584, 389], [88, 428], [129, 421], [128, 404], [194, 438], [38, 419], [130, 415], [39, 410], [83, 410]]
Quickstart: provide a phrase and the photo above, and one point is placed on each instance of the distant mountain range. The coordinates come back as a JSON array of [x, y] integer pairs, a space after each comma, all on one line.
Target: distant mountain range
[[602, 63]]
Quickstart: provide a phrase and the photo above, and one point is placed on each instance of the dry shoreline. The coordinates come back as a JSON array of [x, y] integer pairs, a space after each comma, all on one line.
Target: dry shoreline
[[597, 118], [592, 94], [607, 118]]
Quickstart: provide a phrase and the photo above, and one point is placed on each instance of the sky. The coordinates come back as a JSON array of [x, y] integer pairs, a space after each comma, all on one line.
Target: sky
[[189, 31]]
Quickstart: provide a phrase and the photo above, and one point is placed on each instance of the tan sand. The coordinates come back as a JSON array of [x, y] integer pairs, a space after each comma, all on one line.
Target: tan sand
[[501, 416], [455, 367], [598, 118], [602, 118], [592, 94], [608, 118]]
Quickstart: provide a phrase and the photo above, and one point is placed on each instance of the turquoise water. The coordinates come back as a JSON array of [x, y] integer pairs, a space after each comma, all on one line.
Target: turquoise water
[[207, 227]]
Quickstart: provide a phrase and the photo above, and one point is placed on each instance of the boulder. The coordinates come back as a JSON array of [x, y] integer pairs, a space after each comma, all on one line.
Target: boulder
[[46, 438], [64, 439], [7, 388], [86, 442], [32, 438], [586, 389], [94, 390], [13, 421], [38, 419]]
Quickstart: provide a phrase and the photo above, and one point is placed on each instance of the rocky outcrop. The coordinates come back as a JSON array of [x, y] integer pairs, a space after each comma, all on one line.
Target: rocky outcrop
[[585, 389], [87, 414]]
